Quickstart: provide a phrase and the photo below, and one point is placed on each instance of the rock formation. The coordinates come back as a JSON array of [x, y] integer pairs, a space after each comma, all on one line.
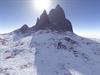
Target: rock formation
[[55, 21]]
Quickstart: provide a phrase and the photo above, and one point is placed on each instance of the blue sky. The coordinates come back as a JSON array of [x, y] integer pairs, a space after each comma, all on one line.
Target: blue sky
[[84, 15]]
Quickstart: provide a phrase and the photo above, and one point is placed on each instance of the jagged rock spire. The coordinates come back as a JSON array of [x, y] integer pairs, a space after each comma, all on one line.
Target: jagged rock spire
[[55, 21], [57, 15], [57, 18], [44, 18], [43, 22], [24, 28], [37, 22]]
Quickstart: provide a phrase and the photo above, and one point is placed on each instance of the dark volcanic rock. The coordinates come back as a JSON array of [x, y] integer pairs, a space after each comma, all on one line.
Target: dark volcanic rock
[[22, 32], [43, 22], [58, 20], [24, 28], [56, 15], [55, 21]]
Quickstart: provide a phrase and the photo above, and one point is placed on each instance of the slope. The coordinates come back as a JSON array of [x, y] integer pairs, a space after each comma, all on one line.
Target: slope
[[49, 53]]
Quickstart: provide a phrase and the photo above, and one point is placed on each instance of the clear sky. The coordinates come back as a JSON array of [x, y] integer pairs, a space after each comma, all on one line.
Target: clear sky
[[84, 15]]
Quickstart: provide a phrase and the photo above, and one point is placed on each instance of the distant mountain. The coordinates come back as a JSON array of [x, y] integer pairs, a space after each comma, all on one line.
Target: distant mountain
[[48, 48], [55, 21]]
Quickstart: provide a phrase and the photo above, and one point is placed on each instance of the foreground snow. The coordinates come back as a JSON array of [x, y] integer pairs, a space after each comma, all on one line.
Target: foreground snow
[[39, 54]]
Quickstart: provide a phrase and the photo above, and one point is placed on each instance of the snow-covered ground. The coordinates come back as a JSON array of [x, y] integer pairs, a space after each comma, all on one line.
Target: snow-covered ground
[[95, 39], [41, 54]]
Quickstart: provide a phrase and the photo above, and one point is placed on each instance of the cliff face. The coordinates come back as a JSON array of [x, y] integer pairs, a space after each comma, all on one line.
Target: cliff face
[[43, 22], [58, 20], [55, 21]]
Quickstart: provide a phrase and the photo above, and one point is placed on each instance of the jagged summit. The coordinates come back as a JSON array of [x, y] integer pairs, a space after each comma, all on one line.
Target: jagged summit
[[55, 21], [23, 29], [43, 21], [58, 20]]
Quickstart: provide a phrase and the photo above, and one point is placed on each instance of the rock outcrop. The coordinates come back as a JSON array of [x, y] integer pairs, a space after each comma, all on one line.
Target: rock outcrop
[[55, 21], [43, 22], [23, 29], [58, 20]]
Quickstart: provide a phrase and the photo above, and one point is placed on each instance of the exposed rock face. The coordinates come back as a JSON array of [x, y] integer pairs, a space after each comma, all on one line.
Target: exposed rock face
[[24, 28], [43, 22], [22, 32], [57, 15], [55, 21], [58, 20]]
